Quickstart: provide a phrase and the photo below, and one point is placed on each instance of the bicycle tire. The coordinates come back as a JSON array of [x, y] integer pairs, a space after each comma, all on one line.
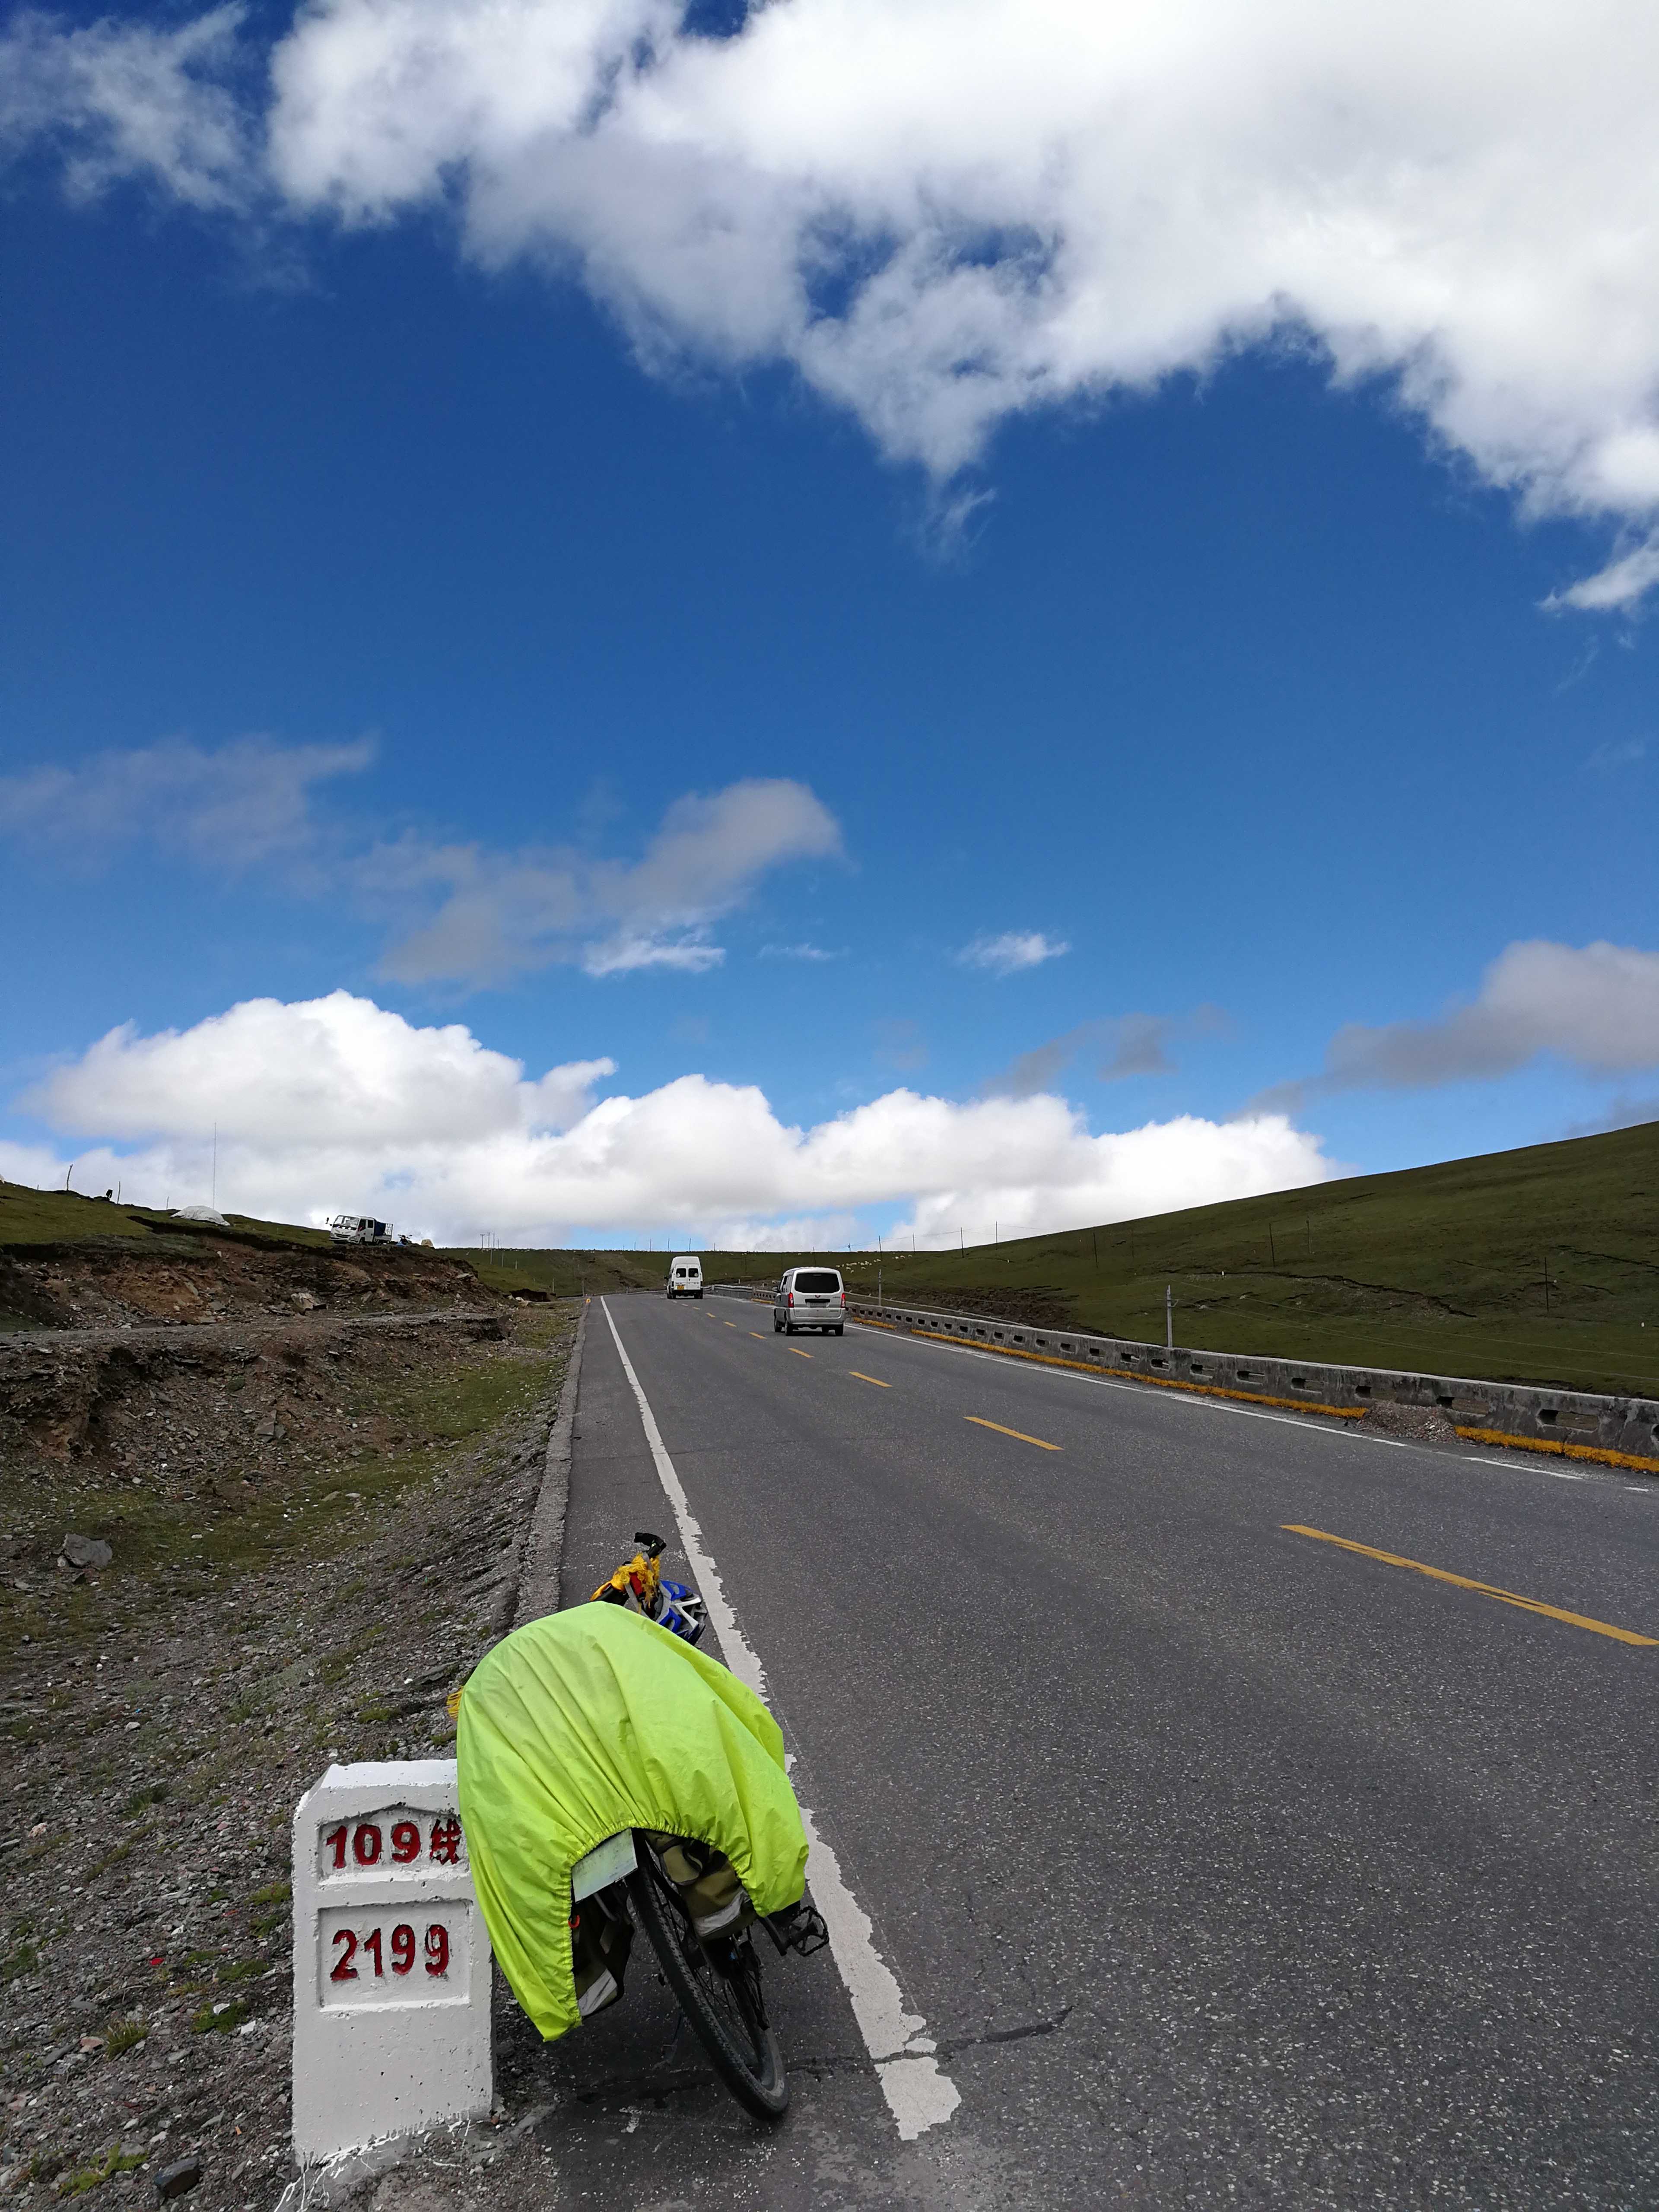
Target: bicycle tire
[[724, 2009]]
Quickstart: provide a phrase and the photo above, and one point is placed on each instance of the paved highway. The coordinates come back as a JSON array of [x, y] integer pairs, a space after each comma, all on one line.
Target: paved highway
[[1216, 1863]]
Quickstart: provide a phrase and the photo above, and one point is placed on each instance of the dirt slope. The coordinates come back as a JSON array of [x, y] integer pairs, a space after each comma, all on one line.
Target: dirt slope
[[92, 1282]]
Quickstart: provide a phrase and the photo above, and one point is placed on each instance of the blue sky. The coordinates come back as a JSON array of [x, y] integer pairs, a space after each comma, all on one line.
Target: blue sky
[[1236, 680]]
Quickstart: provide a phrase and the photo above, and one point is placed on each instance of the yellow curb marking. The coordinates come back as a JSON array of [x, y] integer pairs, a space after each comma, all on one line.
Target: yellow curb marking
[[1560, 1450], [1462, 1582], [1020, 1433]]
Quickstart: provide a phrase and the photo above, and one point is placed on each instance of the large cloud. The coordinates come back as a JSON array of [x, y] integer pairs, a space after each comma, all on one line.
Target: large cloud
[[1596, 1006], [944, 212], [336, 1103]]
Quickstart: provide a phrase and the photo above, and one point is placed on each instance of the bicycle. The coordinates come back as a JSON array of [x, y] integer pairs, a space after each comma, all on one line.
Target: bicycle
[[687, 1900], [638, 1583]]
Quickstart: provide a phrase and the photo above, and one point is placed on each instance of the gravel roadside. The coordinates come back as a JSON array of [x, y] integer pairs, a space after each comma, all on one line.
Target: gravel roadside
[[164, 1714]]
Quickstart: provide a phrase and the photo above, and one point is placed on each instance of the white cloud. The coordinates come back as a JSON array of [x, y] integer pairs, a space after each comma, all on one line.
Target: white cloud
[[336, 1103], [499, 913], [625, 955], [126, 101], [455, 912], [248, 802], [1014, 949], [946, 212], [1625, 580], [1596, 1006], [320, 1072], [808, 952]]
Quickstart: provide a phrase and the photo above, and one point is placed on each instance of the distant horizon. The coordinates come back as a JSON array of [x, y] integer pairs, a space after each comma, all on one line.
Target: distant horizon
[[650, 1244]]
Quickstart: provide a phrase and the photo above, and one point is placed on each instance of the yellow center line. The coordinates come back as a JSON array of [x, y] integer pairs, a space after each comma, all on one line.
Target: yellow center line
[[857, 1377], [729, 1324], [1020, 1433], [758, 1338], [798, 1353], [1485, 1589]]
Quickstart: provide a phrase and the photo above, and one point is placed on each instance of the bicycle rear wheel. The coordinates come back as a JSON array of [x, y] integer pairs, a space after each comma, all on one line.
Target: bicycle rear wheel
[[718, 1987]]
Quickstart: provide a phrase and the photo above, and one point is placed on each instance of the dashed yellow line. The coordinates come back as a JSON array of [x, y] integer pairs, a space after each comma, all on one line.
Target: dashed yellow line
[[758, 1338], [729, 1324], [1018, 1433], [1485, 1589], [798, 1353], [857, 1377]]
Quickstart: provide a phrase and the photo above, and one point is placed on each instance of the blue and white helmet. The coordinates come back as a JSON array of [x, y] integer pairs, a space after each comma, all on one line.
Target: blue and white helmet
[[681, 1611]]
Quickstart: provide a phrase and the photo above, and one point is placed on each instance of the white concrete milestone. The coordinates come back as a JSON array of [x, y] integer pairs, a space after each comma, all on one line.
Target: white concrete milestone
[[390, 1959]]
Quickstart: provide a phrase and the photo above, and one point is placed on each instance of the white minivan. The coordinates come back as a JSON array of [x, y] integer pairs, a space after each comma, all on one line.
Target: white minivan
[[685, 1276], [810, 1297]]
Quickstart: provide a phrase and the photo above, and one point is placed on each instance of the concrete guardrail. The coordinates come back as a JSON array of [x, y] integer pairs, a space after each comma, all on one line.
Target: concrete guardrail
[[1575, 1424]]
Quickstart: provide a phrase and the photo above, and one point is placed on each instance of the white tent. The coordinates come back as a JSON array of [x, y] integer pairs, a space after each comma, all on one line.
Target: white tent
[[208, 1213]]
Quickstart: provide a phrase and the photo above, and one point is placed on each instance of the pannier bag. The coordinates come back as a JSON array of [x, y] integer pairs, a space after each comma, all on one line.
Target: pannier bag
[[592, 1721]]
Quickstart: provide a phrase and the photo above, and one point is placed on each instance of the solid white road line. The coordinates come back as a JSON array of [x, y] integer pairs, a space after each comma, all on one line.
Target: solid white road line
[[918, 2094], [1309, 1424]]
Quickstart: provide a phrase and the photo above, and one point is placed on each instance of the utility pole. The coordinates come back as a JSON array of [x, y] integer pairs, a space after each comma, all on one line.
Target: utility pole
[[215, 1167], [1094, 1238], [880, 1300], [1168, 1317], [1272, 1248]]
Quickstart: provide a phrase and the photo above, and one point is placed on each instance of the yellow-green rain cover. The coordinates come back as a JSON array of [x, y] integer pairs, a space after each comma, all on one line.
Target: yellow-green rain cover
[[589, 1722]]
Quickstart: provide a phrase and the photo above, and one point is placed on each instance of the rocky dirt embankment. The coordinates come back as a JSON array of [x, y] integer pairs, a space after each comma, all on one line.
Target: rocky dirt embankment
[[314, 1532], [212, 1276], [210, 1417]]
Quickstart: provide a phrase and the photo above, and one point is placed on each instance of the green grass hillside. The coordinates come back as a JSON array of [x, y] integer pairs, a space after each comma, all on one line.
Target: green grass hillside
[[1541, 1265], [67, 1217]]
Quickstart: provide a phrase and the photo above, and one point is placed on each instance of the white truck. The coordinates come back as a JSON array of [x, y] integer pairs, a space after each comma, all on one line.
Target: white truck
[[358, 1229], [685, 1276]]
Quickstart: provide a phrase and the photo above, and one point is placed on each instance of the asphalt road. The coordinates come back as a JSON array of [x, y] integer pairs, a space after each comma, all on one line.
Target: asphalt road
[[1226, 1865]]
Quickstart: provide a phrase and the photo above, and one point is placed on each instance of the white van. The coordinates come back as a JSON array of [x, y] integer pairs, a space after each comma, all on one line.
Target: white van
[[685, 1276]]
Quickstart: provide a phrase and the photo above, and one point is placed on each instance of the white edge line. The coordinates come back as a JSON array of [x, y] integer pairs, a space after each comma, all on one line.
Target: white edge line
[[918, 2094], [1310, 1423]]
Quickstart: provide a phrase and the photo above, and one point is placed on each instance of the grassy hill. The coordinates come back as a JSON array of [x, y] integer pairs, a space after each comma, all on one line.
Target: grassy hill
[[68, 1217], [1541, 1265]]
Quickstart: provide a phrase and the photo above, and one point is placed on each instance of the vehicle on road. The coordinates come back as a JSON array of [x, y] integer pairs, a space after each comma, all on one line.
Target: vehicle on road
[[685, 1276], [358, 1229], [810, 1297]]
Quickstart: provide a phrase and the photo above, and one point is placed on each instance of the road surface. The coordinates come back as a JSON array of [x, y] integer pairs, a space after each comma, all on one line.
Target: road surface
[[1215, 1862]]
